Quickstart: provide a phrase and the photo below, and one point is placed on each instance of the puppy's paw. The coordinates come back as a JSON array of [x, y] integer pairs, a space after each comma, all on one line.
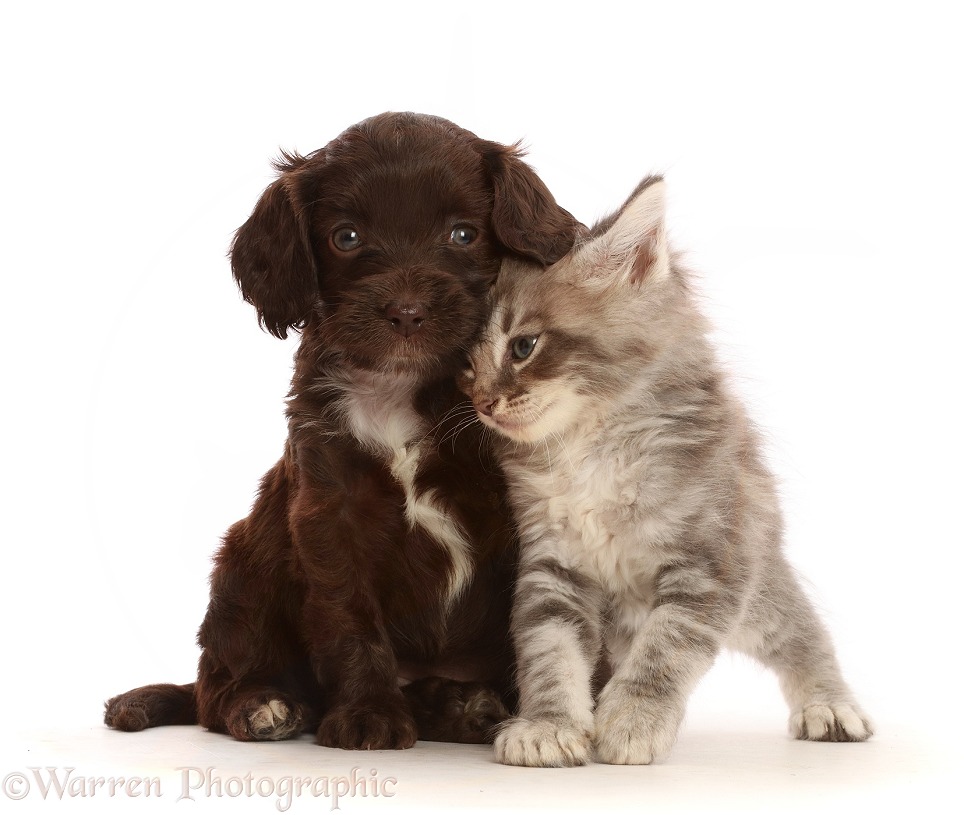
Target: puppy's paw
[[150, 706], [265, 717], [124, 713], [840, 721], [631, 729], [368, 726], [274, 721], [482, 714], [543, 743], [453, 711]]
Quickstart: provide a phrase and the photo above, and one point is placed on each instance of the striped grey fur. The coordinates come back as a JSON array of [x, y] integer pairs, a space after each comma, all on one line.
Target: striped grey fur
[[650, 525]]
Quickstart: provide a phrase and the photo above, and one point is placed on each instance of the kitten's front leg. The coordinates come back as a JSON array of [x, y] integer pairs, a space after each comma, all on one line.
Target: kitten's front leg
[[641, 708], [556, 621]]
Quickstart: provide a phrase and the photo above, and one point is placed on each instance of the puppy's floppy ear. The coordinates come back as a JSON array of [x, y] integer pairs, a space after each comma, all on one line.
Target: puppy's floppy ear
[[271, 259], [526, 218]]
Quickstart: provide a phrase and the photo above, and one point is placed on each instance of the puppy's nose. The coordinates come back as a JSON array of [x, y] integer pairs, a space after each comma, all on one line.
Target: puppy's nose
[[406, 318]]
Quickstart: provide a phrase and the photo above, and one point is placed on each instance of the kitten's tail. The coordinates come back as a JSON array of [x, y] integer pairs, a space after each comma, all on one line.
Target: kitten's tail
[[151, 706]]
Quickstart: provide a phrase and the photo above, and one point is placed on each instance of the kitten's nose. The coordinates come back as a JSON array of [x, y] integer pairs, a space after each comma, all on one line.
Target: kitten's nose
[[406, 317], [485, 405]]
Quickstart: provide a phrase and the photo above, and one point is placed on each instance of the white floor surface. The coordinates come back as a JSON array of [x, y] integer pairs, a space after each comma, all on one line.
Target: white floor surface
[[718, 765]]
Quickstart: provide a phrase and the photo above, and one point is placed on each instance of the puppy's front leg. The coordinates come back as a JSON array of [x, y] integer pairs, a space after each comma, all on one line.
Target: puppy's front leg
[[350, 650], [368, 710]]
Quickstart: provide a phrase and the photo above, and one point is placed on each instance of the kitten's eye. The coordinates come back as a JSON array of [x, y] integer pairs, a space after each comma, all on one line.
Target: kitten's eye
[[345, 239], [522, 347], [463, 235]]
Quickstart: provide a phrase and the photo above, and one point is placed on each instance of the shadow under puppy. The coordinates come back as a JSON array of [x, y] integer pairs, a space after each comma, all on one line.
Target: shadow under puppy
[[380, 546]]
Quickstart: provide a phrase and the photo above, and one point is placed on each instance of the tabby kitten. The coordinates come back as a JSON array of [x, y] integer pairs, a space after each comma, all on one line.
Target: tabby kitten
[[651, 534]]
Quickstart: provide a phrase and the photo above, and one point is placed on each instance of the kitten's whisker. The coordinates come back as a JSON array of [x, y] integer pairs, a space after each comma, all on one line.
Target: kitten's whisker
[[565, 449], [454, 432], [486, 433], [552, 475], [457, 412], [464, 417]]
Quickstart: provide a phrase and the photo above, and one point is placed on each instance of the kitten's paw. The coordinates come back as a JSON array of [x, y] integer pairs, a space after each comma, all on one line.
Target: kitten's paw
[[841, 721], [632, 729], [543, 743]]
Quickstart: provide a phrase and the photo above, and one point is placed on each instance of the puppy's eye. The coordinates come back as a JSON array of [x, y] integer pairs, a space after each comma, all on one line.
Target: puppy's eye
[[463, 235], [345, 239], [522, 347]]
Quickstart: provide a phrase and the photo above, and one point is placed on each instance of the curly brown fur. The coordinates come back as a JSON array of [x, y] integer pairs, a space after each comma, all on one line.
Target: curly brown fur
[[380, 544]]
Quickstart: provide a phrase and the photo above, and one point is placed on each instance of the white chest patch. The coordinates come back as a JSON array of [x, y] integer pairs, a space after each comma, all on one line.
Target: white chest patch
[[425, 510], [380, 413], [381, 417], [588, 506], [597, 512]]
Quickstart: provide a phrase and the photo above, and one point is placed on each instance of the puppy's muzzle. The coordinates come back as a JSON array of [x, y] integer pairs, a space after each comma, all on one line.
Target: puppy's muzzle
[[405, 316]]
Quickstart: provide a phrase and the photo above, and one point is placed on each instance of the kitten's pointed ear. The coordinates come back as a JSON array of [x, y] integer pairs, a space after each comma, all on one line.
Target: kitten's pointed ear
[[632, 241]]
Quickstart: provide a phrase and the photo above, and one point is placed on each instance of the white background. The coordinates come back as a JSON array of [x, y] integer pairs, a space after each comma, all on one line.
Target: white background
[[813, 153]]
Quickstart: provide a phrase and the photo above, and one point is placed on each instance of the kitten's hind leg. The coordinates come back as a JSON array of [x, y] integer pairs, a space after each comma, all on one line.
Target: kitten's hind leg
[[785, 634]]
